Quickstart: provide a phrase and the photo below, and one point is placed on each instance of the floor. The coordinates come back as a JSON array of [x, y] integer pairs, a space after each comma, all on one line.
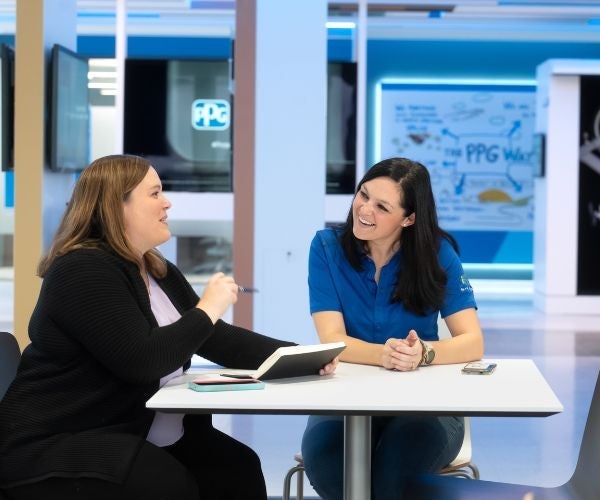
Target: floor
[[533, 451]]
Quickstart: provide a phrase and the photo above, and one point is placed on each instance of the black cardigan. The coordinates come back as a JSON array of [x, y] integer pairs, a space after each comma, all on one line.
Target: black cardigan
[[77, 405]]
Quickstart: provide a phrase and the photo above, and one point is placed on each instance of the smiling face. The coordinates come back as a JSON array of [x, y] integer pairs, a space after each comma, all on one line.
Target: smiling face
[[378, 216], [145, 214]]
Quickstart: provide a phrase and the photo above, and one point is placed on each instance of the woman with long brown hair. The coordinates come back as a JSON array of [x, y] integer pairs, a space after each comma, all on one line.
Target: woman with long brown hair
[[114, 321]]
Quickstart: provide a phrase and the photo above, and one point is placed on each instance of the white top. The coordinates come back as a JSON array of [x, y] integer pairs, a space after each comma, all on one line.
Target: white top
[[516, 387], [167, 428]]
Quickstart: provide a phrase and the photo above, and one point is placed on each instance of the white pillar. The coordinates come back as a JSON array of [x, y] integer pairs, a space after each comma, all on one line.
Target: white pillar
[[287, 175], [290, 141]]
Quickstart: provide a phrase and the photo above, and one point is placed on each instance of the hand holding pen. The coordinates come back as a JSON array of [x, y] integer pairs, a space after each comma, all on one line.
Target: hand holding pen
[[219, 293]]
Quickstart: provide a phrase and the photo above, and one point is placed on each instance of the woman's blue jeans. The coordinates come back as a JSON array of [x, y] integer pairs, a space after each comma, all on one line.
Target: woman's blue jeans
[[401, 447]]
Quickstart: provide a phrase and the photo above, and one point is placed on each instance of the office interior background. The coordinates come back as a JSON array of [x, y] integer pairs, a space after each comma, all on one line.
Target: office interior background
[[455, 85]]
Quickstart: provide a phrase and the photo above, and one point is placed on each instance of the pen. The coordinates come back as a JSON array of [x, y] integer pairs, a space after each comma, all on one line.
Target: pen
[[247, 289]]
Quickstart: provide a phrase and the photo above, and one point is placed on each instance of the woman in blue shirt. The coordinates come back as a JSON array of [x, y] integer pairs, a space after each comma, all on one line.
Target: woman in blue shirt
[[378, 283]]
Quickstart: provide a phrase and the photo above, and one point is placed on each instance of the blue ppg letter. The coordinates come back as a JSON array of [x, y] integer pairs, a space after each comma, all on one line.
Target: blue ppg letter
[[210, 114]]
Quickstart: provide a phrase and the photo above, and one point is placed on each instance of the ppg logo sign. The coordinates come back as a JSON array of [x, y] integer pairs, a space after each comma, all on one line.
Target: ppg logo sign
[[211, 114]]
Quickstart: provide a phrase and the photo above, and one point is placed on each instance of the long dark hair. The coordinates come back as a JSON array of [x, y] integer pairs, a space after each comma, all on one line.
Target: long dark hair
[[421, 282]]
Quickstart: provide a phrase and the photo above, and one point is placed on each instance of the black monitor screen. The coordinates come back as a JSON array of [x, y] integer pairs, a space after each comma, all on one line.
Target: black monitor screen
[[69, 111], [178, 116], [341, 127], [7, 100]]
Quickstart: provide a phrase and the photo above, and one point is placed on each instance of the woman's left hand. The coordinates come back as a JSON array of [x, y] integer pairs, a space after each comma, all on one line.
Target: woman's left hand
[[330, 367], [406, 354]]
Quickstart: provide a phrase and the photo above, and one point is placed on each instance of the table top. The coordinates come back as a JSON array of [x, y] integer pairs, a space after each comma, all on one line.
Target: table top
[[515, 388]]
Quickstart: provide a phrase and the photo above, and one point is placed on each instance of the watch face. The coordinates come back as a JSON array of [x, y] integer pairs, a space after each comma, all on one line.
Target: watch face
[[429, 355]]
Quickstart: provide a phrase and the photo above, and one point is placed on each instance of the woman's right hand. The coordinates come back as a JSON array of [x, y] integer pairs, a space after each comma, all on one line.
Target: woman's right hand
[[387, 355], [220, 292]]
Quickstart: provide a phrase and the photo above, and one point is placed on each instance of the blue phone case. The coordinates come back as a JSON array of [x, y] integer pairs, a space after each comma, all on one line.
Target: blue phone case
[[248, 386]]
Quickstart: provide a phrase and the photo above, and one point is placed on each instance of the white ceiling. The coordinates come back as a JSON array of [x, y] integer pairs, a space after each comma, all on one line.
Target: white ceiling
[[574, 20]]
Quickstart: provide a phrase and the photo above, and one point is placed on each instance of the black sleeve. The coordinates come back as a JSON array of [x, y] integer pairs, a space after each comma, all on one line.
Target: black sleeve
[[89, 299], [237, 347]]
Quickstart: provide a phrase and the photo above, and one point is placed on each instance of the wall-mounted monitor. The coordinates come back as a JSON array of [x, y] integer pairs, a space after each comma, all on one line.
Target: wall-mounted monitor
[[178, 115], [7, 102], [69, 111], [341, 128]]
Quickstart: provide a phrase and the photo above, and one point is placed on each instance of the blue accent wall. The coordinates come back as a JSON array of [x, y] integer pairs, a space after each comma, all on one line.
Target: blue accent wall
[[500, 247], [9, 189], [338, 49], [157, 47]]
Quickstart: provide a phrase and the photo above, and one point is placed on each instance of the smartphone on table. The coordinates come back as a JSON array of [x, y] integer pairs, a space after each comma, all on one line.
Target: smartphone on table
[[217, 382], [479, 368]]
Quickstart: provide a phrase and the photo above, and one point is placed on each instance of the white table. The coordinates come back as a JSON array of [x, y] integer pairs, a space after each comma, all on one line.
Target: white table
[[358, 392]]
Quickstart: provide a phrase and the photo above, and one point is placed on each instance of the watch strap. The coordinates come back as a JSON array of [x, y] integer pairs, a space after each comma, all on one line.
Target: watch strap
[[425, 356]]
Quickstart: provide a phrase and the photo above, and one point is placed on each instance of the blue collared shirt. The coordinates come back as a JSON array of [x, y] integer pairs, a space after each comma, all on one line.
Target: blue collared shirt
[[334, 285]]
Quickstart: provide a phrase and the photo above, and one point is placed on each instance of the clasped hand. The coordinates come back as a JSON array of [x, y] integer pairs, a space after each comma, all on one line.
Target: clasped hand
[[402, 354]]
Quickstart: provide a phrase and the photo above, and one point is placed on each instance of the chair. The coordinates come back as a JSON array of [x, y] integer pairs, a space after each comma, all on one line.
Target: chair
[[583, 484], [461, 466], [10, 355], [287, 480]]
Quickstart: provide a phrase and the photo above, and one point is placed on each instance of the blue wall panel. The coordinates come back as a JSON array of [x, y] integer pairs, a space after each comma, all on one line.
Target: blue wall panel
[[500, 247], [157, 47], [96, 46], [9, 189], [340, 50]]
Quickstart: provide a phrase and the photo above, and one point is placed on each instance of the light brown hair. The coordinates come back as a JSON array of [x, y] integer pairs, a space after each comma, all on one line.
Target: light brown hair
[[95, 218]]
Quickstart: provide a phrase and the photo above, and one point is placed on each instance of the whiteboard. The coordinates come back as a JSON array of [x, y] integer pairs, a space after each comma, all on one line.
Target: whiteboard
[[477, 141]]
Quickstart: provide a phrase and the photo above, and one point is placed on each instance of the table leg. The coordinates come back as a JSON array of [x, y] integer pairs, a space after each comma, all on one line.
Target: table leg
[[357, 457]]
